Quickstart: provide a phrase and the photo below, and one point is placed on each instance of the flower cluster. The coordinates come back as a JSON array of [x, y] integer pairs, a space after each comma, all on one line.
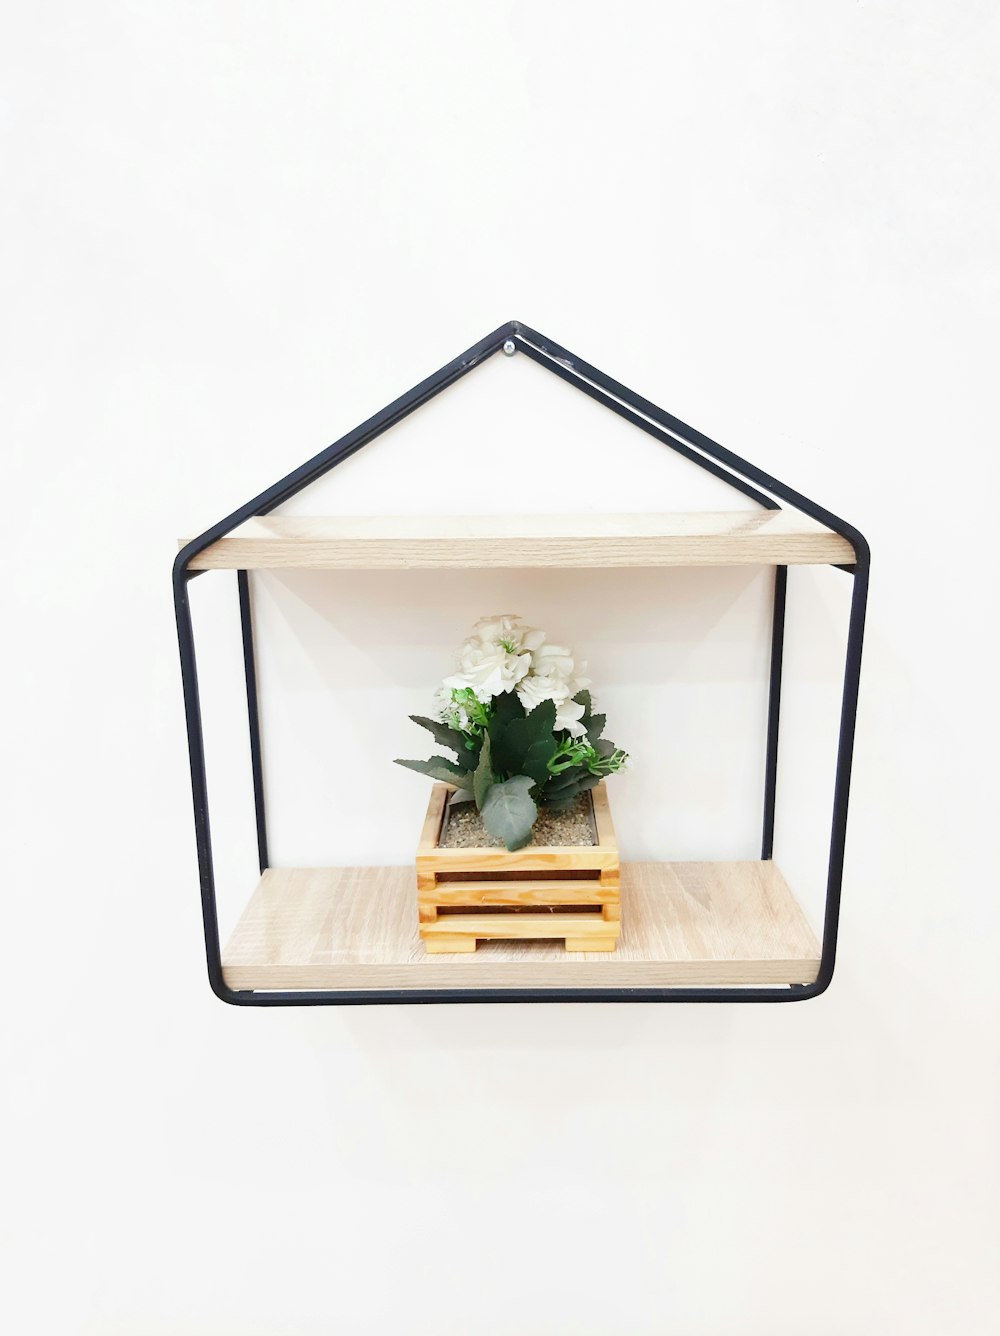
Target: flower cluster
[[503, 654], [519, 717]]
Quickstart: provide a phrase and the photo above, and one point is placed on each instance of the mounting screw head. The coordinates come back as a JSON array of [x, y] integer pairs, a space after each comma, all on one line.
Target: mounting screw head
[[510, 347]]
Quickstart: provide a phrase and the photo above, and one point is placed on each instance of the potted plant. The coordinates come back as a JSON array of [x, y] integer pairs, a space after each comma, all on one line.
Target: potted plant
[[518, 829]]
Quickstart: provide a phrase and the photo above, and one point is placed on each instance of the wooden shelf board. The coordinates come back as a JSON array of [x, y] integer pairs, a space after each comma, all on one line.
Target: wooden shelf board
[[700, 924], [721, 538]]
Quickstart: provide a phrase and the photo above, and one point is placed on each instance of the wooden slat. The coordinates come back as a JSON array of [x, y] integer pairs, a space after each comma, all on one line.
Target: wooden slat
[[682, 924], [602, 816], [463, 932], [528, 927], [716, 538], [532, 858], [434, 819], [526, 892]]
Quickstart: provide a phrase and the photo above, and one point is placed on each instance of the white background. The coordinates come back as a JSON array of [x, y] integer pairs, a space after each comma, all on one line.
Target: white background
[[230, 233]]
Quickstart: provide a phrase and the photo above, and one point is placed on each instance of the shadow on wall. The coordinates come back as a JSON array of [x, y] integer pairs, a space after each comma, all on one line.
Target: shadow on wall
[[679, 660], [405, 627]]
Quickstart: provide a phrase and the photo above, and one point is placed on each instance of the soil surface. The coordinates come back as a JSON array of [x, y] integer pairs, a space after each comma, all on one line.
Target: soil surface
[[464, 827]]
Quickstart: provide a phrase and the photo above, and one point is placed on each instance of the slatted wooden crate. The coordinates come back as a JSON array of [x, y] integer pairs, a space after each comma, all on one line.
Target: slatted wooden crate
[[540, 891]]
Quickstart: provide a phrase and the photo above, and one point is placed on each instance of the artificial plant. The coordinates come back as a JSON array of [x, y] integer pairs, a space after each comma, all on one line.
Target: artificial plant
[[519, 718]]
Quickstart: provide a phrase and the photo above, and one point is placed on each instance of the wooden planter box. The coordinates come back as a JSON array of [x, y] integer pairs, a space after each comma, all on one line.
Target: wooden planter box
[[569, 892]]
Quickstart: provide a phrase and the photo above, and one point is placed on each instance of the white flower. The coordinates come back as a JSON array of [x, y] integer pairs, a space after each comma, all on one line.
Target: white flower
[[488, 668], [508, 630], [568, 716], [450, 711], [532, 690], [557, 661], [503, 654], [495, 628], [553, 661], [496, 656]]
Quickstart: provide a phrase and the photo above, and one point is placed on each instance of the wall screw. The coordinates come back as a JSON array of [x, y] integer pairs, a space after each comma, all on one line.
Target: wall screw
[[510, 347]]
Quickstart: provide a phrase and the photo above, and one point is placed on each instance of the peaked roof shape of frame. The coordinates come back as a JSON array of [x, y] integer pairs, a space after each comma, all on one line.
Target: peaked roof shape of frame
[[687, 441], [739, 473]]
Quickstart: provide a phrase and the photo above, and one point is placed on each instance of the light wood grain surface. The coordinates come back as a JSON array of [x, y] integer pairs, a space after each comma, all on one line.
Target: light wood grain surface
[[682, 924], [718, 538]]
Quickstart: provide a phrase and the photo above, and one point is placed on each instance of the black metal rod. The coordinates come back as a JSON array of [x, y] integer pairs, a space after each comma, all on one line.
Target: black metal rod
[[845, 761], [199, 784], [638, 420], [774, 709], [334, 454], [253, 714], [375, 996], [557, 356]]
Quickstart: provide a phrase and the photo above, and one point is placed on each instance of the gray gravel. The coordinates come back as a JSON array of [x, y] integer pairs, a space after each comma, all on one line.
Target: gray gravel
[[464, 827]]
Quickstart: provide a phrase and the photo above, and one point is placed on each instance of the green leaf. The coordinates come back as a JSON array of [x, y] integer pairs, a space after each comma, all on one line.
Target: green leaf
[[461, 796], [523, 746], [506, 706], [536, 760], [595, 727], [507, 709], [444, 735], [566, 797], [593, 723], [509, 812], [529, 742], [565, 780], [483, 779], [441, 769]]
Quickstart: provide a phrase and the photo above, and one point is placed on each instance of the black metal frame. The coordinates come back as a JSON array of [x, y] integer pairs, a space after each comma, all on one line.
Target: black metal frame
[[686, 441]]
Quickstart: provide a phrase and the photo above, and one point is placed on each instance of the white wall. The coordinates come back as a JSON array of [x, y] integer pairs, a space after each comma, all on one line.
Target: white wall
[[234, 232]]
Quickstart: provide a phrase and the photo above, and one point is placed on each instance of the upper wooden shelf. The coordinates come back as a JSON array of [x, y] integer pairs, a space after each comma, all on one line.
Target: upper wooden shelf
[[720, 538]]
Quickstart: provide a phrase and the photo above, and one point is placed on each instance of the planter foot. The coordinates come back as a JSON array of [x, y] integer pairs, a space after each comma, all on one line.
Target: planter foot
[[442, 943]]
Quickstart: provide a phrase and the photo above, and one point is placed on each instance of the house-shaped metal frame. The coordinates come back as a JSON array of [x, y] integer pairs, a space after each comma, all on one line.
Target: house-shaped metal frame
[[766, 490]]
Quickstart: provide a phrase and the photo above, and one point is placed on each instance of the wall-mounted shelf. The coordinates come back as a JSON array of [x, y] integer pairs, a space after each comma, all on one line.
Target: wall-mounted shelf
[[719, 538], [705, 931], [683, 925]]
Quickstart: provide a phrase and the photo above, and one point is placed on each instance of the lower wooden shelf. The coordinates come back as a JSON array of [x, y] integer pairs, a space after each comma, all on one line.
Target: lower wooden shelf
[[683, 924]]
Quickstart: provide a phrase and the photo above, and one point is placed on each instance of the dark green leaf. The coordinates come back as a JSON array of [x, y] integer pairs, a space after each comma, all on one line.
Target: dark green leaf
[[506, 709], [593, 723], [484, 777], [444, 736], [595, 727], [509, 812], [564, 780], [526, 744], [440, 768], [566, 797]]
